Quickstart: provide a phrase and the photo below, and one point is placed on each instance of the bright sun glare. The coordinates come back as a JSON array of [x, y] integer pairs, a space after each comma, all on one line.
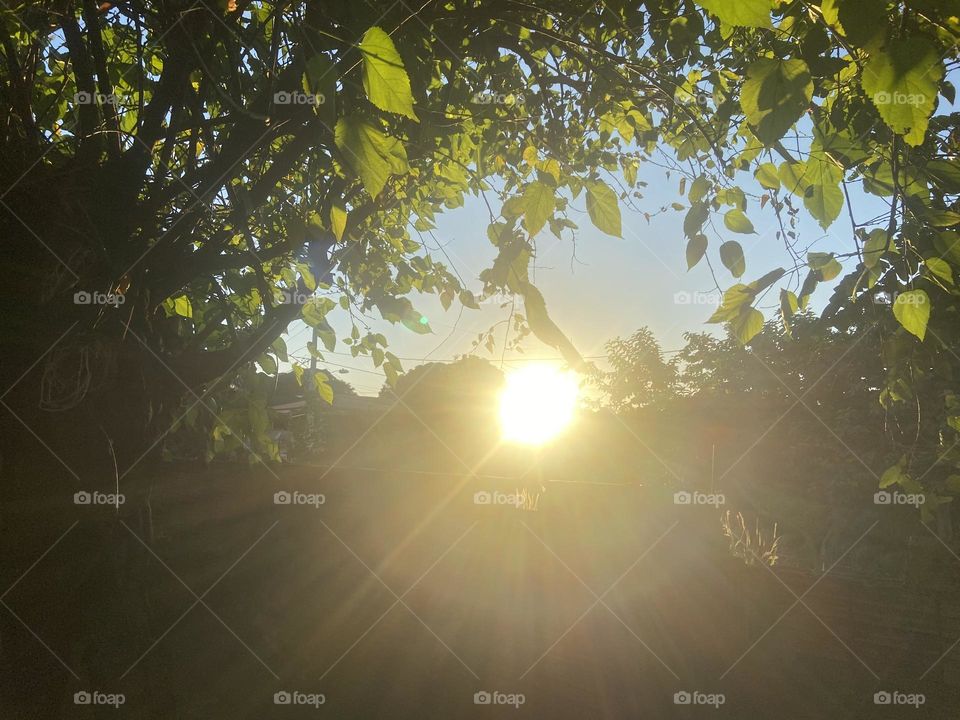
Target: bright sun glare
[[537, 404]]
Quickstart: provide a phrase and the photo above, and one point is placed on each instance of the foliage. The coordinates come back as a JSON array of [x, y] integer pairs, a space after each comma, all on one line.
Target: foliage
[[213, 163], [470, 384], [639, 375]]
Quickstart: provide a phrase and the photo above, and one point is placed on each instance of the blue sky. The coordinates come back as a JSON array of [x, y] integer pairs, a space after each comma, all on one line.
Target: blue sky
[[613, 287]]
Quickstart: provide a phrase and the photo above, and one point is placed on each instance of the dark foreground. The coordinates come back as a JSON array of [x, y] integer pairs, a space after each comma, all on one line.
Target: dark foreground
[[400, 597]]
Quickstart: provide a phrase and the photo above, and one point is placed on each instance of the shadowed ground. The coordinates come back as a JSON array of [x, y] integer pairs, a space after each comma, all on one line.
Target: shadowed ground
[[399, 597]]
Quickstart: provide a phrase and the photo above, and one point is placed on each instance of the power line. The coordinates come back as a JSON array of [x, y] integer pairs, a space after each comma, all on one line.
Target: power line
[[453, 360]]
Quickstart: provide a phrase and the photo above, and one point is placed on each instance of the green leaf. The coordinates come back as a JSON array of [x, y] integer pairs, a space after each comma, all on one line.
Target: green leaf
[[776, 94], [864, 22], [699, 189], [945, 174], [825, 265], [308, 279], [762, 283], [400, 309], [828, 9], [940, 268], [912, 310], [279, 348], [384, 78], [893, 475], [315, 72], [874, 247], [315, 311], [903, 82], [818, 183], [736, 221], [747, 324], [696, 249], [823, 196], [603, 207], [467, 299], [320, 82], [789, 302], [182, 306], [731, 255], [810, 283], [789, 305], [747, 13], [268, 364], [948, 245], [371, 154], [766, 175], [539, 202], [792, 177], [392, 375], [942, 218], [338, 221], [324, 390], [513, 207], [735, 299], [544, 328], [695, 218]]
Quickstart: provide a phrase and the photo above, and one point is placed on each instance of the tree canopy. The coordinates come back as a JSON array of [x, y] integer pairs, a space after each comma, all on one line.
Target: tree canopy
[[181, 180]]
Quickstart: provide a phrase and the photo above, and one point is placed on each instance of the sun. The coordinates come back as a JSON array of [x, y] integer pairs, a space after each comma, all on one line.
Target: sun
[[537, 404]]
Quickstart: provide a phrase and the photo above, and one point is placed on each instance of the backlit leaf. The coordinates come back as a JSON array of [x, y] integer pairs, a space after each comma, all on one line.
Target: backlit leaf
[[384, 78], [736, 221], [696, 249], [746, 325], [912, 310], [539, 203], [748, 13], [372, 155], [903, 82], [775, 95], [731, 255], [603, 207], [338, 221]]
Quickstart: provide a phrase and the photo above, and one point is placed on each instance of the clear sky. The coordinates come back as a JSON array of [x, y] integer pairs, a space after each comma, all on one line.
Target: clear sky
[[612, 287]]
